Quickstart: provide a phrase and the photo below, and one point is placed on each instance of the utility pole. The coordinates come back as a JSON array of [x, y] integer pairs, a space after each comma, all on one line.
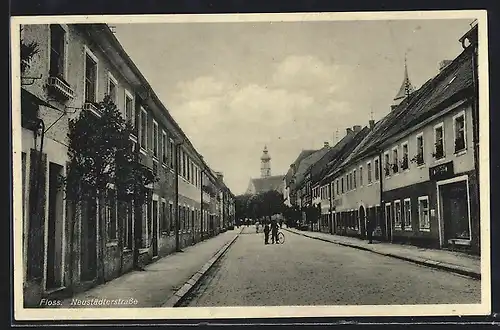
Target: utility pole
[[176, 196], [137, 214]]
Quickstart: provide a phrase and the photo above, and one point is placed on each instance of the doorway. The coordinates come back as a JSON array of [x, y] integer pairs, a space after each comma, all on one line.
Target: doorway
[[154, 240], [388, 221], [362, 221], [55, 228], [89, 241], [455, 211]]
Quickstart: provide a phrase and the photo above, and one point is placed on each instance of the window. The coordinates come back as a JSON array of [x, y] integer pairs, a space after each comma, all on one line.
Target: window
[[111, 215], [112, 87], [388, 218], [90, 78], [438, 142], [369, 169], [57, 51], [361, 176], [171, 153], [354, 179], [172, 216], [144, 128], [395, 160], [155, 138], [407, 214], [420, 149], [459, 128], [164, 145], [423, 213], [129, 108], [164, 217], [377, 172], [342, 184], [397, 214], [404, 161], [387, 164], [337, 183], [183, 165]]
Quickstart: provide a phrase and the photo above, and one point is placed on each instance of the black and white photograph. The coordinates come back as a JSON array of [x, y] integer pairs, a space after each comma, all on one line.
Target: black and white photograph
[[250, 165]]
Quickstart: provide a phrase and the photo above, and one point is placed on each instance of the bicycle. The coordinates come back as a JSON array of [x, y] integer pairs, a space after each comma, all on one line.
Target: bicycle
[[281, 237]]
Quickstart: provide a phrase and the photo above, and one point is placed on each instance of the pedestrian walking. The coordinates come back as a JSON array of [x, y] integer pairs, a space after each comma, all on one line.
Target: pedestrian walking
[[266, 233], [369, 229]]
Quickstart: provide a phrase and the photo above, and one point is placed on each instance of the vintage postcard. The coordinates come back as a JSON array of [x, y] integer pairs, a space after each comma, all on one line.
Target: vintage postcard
[[251, 166]]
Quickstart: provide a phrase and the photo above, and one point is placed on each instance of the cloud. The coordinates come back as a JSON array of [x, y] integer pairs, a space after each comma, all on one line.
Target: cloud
[[229, 124]]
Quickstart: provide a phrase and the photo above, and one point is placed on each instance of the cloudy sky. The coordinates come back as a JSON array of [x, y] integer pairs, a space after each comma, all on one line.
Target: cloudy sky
[[235, 87]]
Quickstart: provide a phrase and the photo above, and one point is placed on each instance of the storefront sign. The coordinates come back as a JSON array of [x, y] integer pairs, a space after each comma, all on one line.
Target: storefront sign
[[441, 171]]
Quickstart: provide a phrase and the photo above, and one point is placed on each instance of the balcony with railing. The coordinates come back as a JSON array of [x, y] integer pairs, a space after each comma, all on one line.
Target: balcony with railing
[[60, 87]]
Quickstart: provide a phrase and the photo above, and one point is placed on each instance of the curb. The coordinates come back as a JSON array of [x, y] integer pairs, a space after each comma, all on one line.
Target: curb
[[175, 300], [423, 262]]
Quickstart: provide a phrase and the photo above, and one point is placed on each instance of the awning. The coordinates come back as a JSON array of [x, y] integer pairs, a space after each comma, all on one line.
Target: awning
[[32, 98]]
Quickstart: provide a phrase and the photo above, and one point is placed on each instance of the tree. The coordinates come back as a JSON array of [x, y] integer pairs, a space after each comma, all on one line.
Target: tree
[[101, 153], [28, 50], [240, 204], [313, 213]]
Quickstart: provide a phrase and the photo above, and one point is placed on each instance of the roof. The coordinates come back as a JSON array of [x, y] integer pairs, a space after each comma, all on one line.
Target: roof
[[343, 154], [303, 154], [307, 162], [274, 182], [318, 168], [442, 90]]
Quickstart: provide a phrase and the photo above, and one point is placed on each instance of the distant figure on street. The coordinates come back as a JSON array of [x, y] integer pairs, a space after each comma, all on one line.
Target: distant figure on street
[[257, 224], [274, 231], [266, 233], [369, 229]]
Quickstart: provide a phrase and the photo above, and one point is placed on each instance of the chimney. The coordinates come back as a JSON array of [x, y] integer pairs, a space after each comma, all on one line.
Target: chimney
[[443, 64], [326, 144], [220, 176], [356, 128], [349, 131], [372, 123]]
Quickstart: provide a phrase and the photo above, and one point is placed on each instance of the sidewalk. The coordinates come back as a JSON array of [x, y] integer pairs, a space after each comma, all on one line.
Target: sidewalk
[[162, 280], [456, 262]]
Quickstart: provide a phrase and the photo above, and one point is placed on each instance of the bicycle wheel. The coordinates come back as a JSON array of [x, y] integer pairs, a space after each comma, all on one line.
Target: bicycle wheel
[[281, 238]]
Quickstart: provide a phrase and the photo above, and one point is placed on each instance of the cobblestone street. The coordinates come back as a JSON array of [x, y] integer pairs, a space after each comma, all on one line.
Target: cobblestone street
[[304, 271]]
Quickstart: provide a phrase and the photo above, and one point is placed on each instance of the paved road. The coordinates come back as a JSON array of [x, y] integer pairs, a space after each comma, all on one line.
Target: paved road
[[304, 271]]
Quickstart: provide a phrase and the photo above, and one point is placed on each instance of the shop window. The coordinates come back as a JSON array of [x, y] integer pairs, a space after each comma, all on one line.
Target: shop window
[[423, 213]]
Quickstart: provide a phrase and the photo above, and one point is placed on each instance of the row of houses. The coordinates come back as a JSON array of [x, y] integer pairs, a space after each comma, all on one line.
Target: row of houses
[[413, 174], [69, 249]]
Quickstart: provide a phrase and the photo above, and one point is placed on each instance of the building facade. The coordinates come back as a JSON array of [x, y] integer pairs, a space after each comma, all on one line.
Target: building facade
[[69, 247], [414, 175]]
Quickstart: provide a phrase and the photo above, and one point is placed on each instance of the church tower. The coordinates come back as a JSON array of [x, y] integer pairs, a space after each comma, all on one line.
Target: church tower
[[265, 164], [405, 89]]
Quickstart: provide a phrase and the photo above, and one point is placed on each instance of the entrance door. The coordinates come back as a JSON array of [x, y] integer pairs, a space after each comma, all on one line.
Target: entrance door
[[154, 240], [388, 221], [89, 242], [455, 210], [362, 221], [55, 229]]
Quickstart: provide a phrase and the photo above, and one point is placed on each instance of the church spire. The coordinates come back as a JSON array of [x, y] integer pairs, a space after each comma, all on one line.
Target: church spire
[[406, 87], [265, 163]]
